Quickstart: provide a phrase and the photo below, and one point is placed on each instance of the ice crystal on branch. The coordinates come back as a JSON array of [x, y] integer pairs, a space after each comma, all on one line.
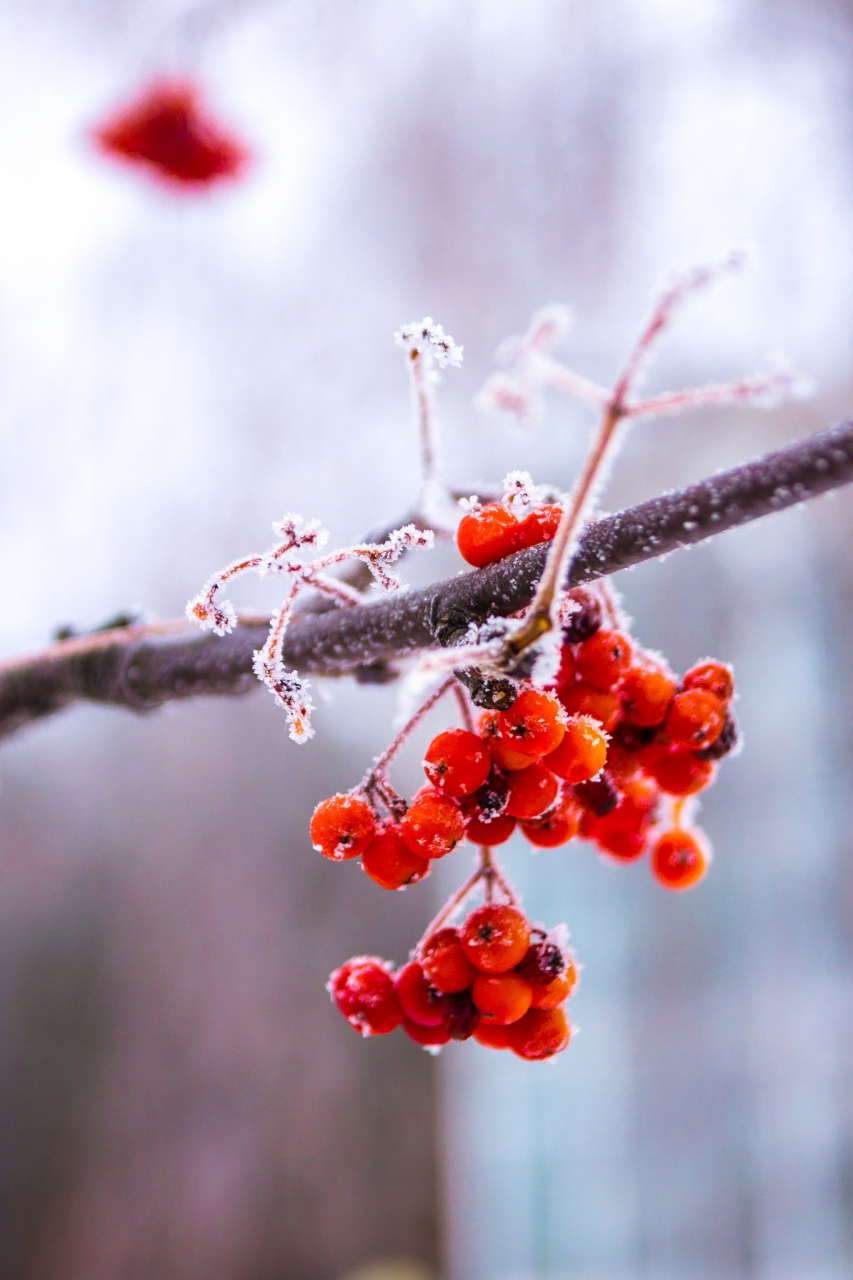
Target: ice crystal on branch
[[426, 344], [296, 556], [429, 339]]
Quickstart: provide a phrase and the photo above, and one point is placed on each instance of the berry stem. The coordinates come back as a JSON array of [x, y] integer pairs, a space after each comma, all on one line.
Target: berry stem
[[382, 762], [464, 706]]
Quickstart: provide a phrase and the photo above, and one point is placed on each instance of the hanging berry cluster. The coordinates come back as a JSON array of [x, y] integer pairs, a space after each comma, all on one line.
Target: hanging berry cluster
[[581, 731]]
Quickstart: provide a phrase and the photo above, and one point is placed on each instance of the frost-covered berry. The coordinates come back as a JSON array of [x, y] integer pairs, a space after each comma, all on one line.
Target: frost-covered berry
[[582, 699], [457, 763], [534, 725], [502, 998], [680, 859], [716, 677], [583, 621], [391, 863], [604, 659], [539, 526], [490, 832], [582, 753], [539, 1034], [486, 535], [532, 791], [363, 990], [677, 771], [342, 827], [495, 937], [445, 963], [647, 691], [695, 718], [433, 825]]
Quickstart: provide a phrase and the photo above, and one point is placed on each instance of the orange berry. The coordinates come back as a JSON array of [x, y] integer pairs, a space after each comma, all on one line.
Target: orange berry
[[554, 828], [679, 772], [539, 526], [445, 963], [491, 1035], [433, 825], [502, 998], [695, 718], [604, 659], [581, 699], [457, 763], [531, 792], [680, 859], [582, 753], [556, 992], [495, 937], [647, 691], [539, 1034], [504, 756], [534, 725], [486, 535], [390, 862], [717, 677], [342, 827]]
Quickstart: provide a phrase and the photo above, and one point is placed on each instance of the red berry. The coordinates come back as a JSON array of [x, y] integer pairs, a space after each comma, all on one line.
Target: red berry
[[419, 1000], [624, 832], [715, 677], [554, 828], [679, 859], [457, 762], [618, 842], [433, 825], [494, 1037], [531, 792], [539, 526], [539, 1034], [647, 691], [495, 937], [445, 963], [543, 962], [604, 659], [363, 990], [504, 756], [695, 718], [390, 862], [342, 827], [622, 764], [581, 699], [599, 796], [534, 725], [429, 1037], [556, 992], [582, 753], [502, 998], [167, 130], [495, 831], [486, 535], [679, 772]]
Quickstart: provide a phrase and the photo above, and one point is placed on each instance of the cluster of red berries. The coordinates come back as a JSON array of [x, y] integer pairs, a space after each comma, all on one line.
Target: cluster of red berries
[[494, 979], [492, 532]]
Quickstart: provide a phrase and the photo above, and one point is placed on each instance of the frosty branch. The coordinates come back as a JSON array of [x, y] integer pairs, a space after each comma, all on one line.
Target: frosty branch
[[143, 667]]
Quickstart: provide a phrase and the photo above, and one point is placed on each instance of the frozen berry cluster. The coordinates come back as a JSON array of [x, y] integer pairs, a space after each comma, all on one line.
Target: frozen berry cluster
[[495, 979]]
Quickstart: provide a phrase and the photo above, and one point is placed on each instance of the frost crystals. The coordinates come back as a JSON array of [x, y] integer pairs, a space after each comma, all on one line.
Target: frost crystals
[[296, 556]]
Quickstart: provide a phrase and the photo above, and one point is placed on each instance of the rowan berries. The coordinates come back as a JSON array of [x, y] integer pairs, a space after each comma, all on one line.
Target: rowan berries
[[486, 535], [461, 1015], [490, 800], [604, 659], [647, 691], [433, 825], [502, 998], [581, 699], [531, 792], [418, 999], [534, 725], [679, 859], [391, 863], [582, 753], [552, 994], [445, 963], [679, 772], [491, 1035], [542, 963], [558, 826], [599, 795], [363, 991], [492, 832], [695, 718], [567, 670], [504, 756], [342, 827], [716, 677], [539, 1034], [430, 1037], [539, 526], [726, 742], [457, 762], [495, 937]]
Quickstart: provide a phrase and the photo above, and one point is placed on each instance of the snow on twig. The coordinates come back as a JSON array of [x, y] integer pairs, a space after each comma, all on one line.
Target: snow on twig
[[426, 344]]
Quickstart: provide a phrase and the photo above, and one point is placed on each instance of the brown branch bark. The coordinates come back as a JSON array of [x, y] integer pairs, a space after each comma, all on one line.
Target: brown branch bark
[[140, 668]]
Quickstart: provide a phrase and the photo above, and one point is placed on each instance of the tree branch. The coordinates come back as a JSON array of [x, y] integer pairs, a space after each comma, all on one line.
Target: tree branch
[[140, 667]]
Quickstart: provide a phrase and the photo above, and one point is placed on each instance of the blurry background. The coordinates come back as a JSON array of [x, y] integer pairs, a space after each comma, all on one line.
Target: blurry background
[[179, 1100]]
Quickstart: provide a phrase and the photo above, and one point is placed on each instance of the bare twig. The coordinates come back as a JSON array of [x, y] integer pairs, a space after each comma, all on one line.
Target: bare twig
[[140, 667]]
